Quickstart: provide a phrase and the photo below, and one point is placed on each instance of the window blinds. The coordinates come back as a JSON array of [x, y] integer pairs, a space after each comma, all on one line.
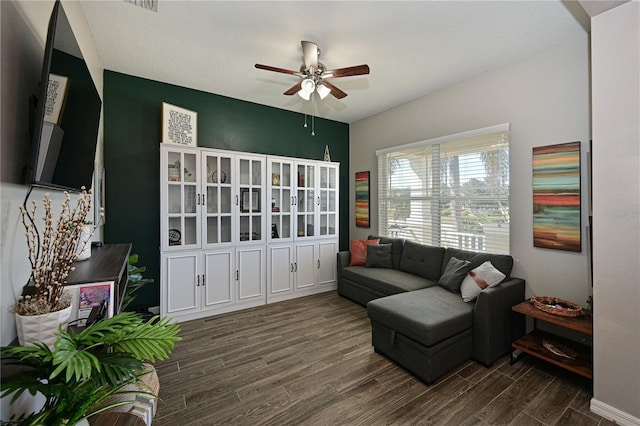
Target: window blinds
[[451, 191]]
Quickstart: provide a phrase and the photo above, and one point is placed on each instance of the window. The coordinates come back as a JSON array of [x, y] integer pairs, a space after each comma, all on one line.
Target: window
[[451, 191]]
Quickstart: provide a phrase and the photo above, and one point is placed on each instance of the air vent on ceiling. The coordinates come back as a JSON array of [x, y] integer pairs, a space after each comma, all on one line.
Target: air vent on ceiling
[[145, 4]]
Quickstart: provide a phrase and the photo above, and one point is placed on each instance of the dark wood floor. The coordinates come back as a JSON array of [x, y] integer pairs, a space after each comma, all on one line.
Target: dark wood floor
[[310, 361]]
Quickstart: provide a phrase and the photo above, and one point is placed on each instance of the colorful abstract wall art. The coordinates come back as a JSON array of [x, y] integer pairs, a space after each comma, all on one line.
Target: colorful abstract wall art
[[556, 197], [362, 199]]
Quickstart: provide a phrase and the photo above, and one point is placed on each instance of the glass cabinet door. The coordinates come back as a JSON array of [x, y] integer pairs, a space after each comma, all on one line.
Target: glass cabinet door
[[218, 198], [182, 228], [282, 191], [328, 200], [305, 200], [250, 185]]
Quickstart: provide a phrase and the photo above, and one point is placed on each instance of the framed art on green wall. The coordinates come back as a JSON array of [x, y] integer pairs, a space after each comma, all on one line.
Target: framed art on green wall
[[362, 199], [179, 125]]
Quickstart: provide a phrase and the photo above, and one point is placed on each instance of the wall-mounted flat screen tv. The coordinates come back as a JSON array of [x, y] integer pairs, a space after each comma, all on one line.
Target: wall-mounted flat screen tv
[[66, 115]]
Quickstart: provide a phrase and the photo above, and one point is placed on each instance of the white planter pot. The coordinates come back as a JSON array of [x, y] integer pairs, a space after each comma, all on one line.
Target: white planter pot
[[41, 328], [84, 245]]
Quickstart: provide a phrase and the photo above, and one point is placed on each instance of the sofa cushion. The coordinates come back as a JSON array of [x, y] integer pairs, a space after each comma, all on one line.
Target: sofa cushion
[[427, 316], [502, 262], [385, 281], [453, 274], [422, 260], [379, 256], [396, 244], [479, 279], [358, 251]]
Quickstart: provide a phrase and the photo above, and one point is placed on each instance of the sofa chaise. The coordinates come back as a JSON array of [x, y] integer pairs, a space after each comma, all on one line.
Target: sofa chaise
[[418, 316]]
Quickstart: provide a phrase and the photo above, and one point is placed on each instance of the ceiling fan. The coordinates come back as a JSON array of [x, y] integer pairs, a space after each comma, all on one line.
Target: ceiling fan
[[314, 75]]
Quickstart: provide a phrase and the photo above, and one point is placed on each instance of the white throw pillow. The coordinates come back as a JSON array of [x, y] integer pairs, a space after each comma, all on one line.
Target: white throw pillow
[[484, 276]]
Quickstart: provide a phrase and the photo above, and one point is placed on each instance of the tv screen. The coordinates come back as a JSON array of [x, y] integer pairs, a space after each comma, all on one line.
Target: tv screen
[[67, 113]]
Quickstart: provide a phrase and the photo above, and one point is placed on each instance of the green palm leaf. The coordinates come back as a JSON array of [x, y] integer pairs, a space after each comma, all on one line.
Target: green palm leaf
[[151, 340]]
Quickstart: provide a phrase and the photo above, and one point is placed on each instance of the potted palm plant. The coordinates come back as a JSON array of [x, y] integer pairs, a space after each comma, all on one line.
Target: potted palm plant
[[88, 371]]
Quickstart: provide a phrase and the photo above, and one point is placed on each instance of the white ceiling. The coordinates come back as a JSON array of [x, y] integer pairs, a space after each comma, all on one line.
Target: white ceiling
[[413, 48]]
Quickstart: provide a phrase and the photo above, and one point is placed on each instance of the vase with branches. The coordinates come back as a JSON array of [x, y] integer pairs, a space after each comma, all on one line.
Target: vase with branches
[[52, 251]]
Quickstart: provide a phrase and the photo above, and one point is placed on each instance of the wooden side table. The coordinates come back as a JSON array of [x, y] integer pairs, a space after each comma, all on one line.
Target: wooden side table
[[532, 343]]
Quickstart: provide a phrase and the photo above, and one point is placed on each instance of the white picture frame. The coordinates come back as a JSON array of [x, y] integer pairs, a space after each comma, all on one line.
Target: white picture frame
[[57, 87], [179, 125], [99, 195]]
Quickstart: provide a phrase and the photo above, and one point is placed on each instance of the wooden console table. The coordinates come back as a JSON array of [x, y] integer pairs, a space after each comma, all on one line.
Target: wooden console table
[[107, 263], [532, 343]]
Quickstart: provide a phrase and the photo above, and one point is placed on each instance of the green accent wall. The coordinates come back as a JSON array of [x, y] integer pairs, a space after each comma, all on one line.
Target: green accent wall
[[132, 133]]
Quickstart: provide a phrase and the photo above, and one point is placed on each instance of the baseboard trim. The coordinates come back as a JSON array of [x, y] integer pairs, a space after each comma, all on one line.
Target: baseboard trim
[[613, 414]]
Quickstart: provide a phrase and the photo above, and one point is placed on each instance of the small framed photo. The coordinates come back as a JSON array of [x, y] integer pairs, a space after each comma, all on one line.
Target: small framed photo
[[179, 125], [244, 200]]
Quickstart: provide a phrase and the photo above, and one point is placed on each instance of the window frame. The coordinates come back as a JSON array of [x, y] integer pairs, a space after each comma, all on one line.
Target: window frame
[[430, 222]]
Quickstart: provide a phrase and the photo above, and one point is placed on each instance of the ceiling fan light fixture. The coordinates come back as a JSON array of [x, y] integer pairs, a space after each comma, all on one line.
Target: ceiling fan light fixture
[[307, 88], [323, 90]]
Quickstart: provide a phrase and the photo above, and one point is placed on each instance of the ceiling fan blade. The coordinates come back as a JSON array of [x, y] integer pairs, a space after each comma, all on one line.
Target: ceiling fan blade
[[295, 89], [334, 90], [276, 69], [310, 54], [346, 72]]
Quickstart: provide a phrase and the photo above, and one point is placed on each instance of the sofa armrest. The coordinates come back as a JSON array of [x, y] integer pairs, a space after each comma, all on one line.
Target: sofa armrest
[[342, 262], [493, 322]]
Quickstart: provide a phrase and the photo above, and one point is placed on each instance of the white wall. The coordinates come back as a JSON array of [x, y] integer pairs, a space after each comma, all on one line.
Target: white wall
[[545, 98], [24, 30], [616, 212]]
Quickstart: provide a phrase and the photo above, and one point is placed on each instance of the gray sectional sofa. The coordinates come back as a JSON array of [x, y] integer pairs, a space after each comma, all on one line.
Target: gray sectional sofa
[[418, 316]]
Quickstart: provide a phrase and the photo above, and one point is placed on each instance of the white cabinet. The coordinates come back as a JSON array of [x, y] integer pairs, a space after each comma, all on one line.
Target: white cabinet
[[217, 187], [328, 200], [184, 298], [282, 191], [210, 198], [304, 234], [305, 265], [250, 274], [198, 283], [280, 270], [180, 219], [327, 258], [241, 229], [299, 269], [304, 199]]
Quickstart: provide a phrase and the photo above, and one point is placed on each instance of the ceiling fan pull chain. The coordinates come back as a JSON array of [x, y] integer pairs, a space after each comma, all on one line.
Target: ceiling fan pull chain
[[313, 127]]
